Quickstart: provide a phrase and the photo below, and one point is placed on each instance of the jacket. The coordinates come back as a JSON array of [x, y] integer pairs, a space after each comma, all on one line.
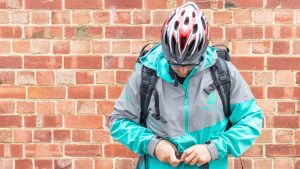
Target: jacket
[[192, 116]]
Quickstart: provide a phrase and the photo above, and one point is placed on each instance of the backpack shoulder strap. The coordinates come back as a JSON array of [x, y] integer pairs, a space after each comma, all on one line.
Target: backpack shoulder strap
[[148, 82], [221, 82]]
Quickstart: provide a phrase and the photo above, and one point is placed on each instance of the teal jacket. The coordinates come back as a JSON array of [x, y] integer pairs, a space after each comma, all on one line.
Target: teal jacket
[[192, 116]]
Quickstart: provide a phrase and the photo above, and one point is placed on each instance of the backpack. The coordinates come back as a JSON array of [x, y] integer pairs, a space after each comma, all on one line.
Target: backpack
[[221, 82]]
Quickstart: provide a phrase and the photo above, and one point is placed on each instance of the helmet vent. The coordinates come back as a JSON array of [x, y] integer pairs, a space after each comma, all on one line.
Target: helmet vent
[[176, 25], [173, 43], [182, 43], [191, 46], [194, 14], [182, 13], [195, 28], [186, 21]]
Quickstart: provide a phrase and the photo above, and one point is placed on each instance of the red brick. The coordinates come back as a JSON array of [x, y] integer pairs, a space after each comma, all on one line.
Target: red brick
[[60, 17], [86, 107], [284, 77], [22, 136], [84, 77], [284, 17], [283, 163], [83, 4], [10, 62], [83, 163], [83, 62], [242, 16], [62, 136], [122, 17], [52, 121], [21, 47], [6, 136], [123, 32], [286, 107], [10, 32], [4, 47], [45, 78], [244, 4], [202, 4], [12, 92], [43, 164], [105, 107], [129, 62], [121, 47], [278, 32], [261, 47], [104, 76], [281, 47], [81, 17], [83, 150], [290, 4], [142, 17], [114, 91], [2, 150], [124, 163], [42, 62], [155, 4], [43, 150], [284, 136], [116, 150], [25, 107], [281, 122], [40, 17], [66, 107], [216, 33], [101, 136], [123, 76], [19, 17], [122, 4], [262, 163], [280, 150], [23, 164], [100, 47], [283, 63], [47, 4], [38, 32], [42, 136], [81, 136], [252, 32], [113, 62], [240, 47], [83, 122], [7, 77], [298, 78], [254, 151], [101, 17], [253, 63], [263, 78], [46, 92], [86, 92], [159, 17], [296, 47], [222, 17], [25, 78], [30, 121], [7, 107], [13, 151], [45, 108], [283, 92], [153, 33], [103, 163], [61, 47]]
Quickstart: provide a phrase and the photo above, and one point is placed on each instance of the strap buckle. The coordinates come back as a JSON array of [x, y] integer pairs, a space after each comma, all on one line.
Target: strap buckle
[[209, 89]]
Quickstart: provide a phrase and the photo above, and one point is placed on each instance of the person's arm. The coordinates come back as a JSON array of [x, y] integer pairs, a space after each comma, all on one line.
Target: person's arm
[[246, 118], [124, 120]]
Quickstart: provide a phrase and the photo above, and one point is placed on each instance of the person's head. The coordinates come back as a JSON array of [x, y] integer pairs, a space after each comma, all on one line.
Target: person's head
[[184, 38]]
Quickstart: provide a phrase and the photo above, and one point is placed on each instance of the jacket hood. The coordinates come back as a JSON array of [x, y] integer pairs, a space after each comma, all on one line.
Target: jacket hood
[[155, 60]]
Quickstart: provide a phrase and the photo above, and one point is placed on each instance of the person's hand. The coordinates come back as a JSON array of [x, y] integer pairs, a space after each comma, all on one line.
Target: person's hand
[[166, 152], [196, 154]]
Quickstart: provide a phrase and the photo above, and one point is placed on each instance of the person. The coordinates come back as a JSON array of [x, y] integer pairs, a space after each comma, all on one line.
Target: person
[[192, 123]]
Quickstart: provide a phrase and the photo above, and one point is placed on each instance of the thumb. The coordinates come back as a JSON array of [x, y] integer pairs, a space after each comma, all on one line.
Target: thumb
[[173, 160]]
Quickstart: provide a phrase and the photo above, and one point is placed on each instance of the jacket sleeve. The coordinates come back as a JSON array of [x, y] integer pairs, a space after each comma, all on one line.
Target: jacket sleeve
[[246, 118], [124, 120]]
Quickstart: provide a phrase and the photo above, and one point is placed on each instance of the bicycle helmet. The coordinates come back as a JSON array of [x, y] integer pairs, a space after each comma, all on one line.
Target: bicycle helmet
[[184, 36]]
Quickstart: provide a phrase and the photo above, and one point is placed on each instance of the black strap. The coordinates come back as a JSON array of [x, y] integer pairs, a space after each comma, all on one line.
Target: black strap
[[221, 82]]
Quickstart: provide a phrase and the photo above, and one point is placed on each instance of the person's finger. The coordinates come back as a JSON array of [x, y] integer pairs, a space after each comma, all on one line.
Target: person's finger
[[186, 153], [194, 161], [189, 158], [173, 160]]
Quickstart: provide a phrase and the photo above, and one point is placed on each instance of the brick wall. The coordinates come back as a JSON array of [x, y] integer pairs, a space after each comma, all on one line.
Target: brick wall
[[63, 64]]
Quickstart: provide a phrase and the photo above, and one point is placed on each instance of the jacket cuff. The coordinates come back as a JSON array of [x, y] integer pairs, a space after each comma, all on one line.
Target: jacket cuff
[[152, 145], [212, 150]]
